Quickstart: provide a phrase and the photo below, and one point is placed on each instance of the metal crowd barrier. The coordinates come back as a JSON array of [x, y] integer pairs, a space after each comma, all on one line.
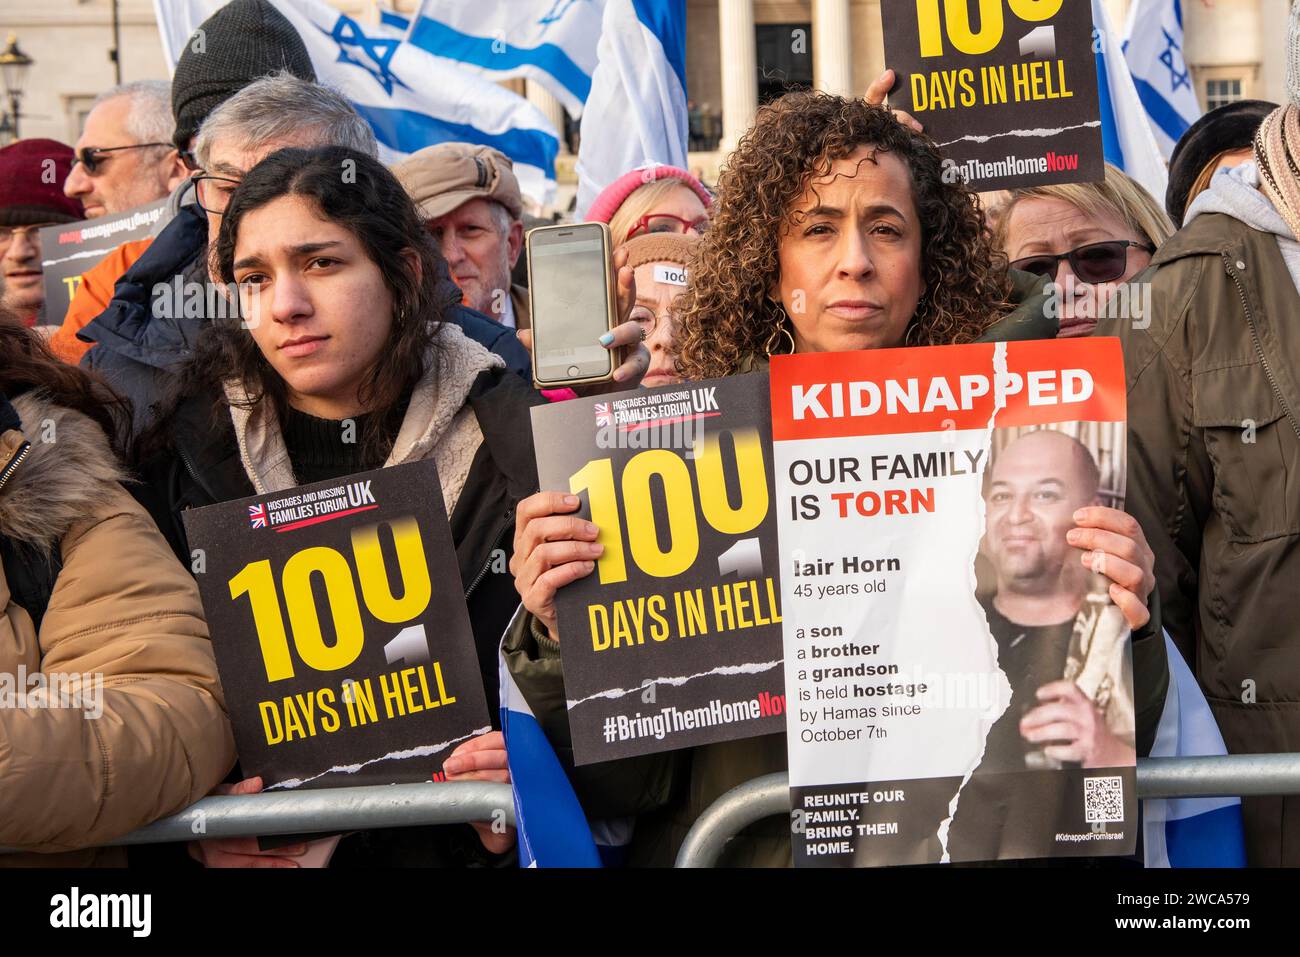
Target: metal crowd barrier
[[1233, 775], [331, 810], [407, 805]]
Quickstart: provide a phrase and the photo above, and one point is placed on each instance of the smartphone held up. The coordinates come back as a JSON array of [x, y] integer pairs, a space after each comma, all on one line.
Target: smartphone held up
[[574, 301]]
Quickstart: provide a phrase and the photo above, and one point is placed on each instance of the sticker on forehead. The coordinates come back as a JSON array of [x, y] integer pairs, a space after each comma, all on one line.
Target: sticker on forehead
[[672, 274]]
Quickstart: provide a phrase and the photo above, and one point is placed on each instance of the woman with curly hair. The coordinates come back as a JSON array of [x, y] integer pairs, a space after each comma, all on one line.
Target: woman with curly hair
[[836, 228]]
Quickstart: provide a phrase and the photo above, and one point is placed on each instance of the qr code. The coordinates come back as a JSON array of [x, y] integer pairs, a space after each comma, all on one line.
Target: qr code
[[1103, 800]]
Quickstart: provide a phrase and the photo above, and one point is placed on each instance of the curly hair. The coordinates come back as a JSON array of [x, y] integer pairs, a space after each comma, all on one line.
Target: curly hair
[[725, 315]]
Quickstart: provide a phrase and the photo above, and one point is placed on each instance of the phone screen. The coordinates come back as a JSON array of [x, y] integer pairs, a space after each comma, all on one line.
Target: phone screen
[[569, 311]]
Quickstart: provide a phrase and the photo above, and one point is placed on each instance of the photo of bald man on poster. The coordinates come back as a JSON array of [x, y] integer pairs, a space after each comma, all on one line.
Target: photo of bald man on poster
[[1061, 641]]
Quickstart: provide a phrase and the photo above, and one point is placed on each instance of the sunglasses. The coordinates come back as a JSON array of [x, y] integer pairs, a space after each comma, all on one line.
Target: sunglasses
[[1093, 263], [92, 157], [667, 223]]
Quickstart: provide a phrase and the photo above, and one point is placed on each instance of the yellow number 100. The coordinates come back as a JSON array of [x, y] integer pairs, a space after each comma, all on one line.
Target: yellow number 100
[[960, 34], [597, 479], [258, 582]]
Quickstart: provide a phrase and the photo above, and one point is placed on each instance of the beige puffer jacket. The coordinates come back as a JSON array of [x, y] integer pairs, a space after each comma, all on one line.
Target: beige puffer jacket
[[124, 612]]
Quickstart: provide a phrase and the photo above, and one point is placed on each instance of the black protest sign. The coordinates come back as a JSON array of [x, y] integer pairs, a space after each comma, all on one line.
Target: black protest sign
[[340, 629], [674, 640], [1006, 88], [70, 249]]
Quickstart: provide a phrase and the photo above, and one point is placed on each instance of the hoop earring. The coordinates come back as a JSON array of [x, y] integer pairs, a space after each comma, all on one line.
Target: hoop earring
[[781, 327]]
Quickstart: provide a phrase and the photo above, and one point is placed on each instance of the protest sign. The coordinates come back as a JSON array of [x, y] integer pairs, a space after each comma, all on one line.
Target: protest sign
[[674, 639], [70, 249], [1006, 88], [340, 629], [936, 618]]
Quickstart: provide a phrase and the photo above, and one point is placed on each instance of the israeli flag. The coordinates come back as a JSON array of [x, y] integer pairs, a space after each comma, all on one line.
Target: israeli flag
[[636, 113], [552, 829], [550, 41], [1190, 832], [1126, 133], [410, 98], [1153, 47]]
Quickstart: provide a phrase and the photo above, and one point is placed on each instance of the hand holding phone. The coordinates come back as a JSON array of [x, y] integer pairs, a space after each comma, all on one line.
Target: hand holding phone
[[573, 303]]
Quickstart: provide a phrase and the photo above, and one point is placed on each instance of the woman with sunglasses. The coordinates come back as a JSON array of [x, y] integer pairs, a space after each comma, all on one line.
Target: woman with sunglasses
[[835, 229], [1086, 238], [652, 199]]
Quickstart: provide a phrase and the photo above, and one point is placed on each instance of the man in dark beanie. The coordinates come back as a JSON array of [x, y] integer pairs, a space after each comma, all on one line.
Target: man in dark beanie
[[244, 40], [31, 196], [133, 340], [1219, 139]]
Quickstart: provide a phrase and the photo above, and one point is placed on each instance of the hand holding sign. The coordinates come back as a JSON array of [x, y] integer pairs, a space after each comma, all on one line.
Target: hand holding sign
[[552, 549], [879, 89], [341, 661], [1113, 545]]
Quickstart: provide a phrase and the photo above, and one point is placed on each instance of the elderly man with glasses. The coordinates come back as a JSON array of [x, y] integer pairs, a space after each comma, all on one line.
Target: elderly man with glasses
[[125, 157]]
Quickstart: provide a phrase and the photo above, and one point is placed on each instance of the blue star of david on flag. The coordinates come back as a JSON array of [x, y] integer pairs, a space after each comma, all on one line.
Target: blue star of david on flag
[[1176, 79], [558, 9], [347, 33]]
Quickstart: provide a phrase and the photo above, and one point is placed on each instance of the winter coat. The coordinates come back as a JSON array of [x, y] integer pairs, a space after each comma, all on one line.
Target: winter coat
[[121, 611], [1214, 472]]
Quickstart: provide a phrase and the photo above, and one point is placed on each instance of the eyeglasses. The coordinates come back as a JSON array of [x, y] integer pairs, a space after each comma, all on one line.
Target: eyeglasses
[[667, 223], [1093, 263], [92, 156], [7, 233], [646, 318], [213, 192]]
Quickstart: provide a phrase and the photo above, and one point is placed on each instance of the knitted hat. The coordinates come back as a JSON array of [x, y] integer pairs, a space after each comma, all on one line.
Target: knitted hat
[[661, 248], [440, 178], [243, 41], [605, 205], [32, 174], [1230, 127]]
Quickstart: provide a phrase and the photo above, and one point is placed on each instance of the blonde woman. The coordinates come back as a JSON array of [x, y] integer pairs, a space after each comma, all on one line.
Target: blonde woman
[[652, 199], [1087, 238]]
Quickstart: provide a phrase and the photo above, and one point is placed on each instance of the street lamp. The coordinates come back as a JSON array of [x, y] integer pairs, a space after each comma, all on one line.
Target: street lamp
[[14, 64]]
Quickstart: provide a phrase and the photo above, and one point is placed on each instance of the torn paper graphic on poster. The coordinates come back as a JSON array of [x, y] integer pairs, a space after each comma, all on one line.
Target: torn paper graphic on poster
[[936, 619]]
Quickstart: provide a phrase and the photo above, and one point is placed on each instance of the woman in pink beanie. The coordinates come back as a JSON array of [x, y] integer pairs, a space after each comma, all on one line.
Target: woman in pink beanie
[[652, 199]]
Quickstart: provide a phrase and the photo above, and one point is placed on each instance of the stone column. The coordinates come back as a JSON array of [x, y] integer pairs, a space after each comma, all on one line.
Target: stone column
[[739, 55], [832, 47], [552, 108]]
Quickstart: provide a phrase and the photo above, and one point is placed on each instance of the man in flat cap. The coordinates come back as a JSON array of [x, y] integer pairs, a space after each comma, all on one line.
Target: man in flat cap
[[469, 199]]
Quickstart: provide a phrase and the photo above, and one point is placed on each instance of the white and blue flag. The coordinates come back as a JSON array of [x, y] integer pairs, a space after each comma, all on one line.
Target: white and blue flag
[[1190, 832], [636, 113], [553, 830], [550, 41], [410, 98], [1126, 133], [1153, 46]]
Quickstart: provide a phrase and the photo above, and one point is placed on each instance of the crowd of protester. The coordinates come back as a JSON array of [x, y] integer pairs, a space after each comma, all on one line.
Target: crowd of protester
[[833, 227]]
